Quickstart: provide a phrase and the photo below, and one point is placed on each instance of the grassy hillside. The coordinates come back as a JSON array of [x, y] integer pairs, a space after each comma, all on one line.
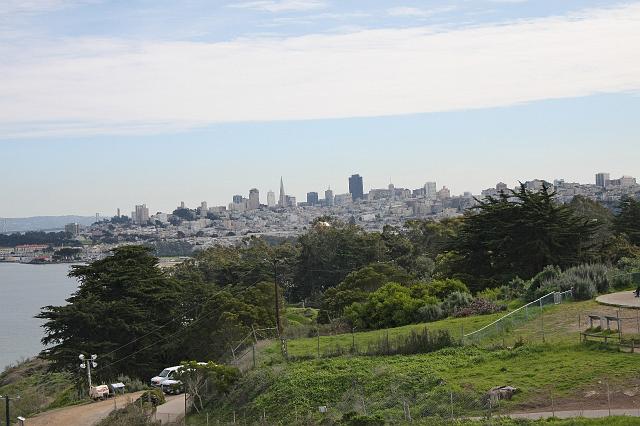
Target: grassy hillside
[[560, 372], [560, 323], [426, 382], [38, 388]]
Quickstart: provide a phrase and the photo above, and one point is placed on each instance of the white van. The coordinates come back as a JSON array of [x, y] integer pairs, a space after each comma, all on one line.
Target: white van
[[167, 381], [166, 374]]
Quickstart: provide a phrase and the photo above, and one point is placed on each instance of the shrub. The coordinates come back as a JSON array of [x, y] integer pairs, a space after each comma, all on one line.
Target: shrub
[[154, 396], [492, 294], [478, 306], [131, 415], [430, 312], [443, 288], [583, 289], [390, 306], [515, 289], [354, 419], [132, 385], [420, 342], [586, 281], [456, 301], [549, 273]]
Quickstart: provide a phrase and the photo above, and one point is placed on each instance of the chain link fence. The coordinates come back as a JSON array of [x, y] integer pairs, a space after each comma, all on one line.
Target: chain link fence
[[516, 318], [443, 404]]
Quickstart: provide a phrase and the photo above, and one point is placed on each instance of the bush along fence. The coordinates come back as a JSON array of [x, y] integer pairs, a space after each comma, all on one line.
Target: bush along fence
[[262, 346], [517, 318]]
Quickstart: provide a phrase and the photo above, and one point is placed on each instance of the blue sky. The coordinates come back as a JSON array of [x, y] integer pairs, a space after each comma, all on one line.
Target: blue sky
[[107, 104]]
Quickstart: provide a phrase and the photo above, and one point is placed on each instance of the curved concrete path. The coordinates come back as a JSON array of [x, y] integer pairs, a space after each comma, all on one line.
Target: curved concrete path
[[623, 299]]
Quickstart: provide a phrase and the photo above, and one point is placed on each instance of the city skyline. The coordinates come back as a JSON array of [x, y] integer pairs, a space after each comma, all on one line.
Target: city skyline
[[98, 111], [142, 212]]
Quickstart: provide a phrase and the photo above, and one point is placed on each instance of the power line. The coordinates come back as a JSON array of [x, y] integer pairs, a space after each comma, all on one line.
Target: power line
[[210, 298]]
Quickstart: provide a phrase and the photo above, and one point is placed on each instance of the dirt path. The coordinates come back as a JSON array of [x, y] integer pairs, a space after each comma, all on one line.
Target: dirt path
[[86, 414]]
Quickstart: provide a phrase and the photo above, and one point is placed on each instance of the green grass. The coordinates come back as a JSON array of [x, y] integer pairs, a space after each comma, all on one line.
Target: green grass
[[300, 316], [561, 366], [38, 388], [291, 393], [308, 347]]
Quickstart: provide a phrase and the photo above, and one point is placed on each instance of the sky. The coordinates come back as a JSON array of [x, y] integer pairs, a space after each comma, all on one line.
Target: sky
[[108, 104]]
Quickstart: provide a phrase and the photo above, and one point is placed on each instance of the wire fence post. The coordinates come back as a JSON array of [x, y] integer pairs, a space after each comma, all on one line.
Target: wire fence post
[[451, 401], [253, 350], [353, 340], [318, 332], [608, 399], [542, 320], [407, 411]]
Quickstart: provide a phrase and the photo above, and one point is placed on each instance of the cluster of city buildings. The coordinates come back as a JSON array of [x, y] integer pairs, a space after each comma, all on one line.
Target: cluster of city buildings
[[285, 216]]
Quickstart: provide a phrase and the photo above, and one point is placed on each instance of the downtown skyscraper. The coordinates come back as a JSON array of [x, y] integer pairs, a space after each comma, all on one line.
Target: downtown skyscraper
[[282, 200], [356, 188]]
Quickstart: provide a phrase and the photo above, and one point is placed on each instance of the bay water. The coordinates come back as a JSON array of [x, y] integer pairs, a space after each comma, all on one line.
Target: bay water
[[24, 290]]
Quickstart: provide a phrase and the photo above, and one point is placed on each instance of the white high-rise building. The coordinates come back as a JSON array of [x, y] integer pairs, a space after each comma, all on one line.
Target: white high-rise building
[[254, 199], [430, 190], [140, 215], [328, 197], [204, 209], [271, 199]]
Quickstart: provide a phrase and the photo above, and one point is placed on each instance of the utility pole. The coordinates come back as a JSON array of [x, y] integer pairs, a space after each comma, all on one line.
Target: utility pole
[[6, 410], [275, 284], [7, 414], [88, 363]]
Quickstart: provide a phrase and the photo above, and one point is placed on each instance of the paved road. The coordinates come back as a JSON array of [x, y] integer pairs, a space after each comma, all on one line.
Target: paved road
[[171, 411], [624, 299], [591, 414], [90, 414]]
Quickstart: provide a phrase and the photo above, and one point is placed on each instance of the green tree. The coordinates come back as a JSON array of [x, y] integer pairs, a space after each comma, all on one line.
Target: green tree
[[206, 382], [357, 286], [329, 252], [627, 221], [391, 305], [121, 311], [518, 234]]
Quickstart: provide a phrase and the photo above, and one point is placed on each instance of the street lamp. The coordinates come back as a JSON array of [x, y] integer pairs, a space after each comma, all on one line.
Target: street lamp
[[88, 364]]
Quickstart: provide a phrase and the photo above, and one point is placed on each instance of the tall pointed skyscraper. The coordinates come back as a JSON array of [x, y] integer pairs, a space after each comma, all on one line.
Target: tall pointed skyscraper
[[282, 201]]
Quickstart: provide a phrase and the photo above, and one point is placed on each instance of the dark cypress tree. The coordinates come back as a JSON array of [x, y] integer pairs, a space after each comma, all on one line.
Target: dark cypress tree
[[518, 234], [122, 298], [628, 220]]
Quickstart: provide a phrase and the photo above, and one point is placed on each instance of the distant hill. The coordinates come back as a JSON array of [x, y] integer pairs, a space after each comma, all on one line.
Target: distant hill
[[41, 223]]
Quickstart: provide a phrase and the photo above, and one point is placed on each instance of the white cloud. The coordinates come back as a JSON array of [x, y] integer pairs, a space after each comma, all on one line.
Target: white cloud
[[280, 5], [414, 12], [97, 86], [17, 7]]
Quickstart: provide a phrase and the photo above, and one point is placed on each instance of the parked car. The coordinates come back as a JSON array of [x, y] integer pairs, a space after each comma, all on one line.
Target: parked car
[[166, 374]]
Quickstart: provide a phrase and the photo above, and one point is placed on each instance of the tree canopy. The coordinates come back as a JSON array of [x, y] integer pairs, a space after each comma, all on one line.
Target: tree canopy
[[518, 234]]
